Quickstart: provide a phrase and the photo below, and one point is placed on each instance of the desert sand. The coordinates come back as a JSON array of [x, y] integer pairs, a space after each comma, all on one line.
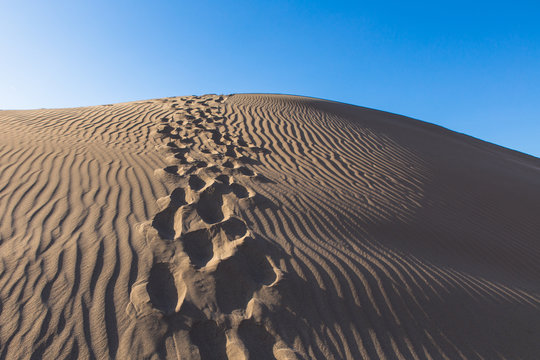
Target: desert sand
[[255, 226]]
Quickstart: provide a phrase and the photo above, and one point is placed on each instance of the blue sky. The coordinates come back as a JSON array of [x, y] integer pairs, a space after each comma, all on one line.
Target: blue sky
[[473, 67]]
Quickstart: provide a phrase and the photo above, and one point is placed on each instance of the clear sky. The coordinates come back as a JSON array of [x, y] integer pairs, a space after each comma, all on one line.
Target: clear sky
[[470, 66]]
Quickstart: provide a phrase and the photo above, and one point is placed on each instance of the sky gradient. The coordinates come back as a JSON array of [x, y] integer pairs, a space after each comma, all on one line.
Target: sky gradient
[[470, 67]]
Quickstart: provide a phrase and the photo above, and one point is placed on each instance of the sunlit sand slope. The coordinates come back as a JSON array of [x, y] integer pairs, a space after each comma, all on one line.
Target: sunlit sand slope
[[262, 227]]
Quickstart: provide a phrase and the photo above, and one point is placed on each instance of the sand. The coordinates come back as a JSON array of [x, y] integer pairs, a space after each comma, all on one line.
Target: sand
[[262, 227]]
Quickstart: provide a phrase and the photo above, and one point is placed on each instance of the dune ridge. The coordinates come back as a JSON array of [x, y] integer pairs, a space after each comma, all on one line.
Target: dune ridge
[[262, 226]]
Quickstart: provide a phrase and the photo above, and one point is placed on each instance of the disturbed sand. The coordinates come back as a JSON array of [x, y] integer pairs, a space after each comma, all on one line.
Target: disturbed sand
[[262, 227]]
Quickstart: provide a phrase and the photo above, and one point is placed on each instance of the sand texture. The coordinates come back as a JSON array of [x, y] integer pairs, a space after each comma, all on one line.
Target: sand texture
[[262, 227]]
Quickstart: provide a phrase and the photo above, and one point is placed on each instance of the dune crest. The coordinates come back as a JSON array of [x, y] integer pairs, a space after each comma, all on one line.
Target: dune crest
[[262, 227]]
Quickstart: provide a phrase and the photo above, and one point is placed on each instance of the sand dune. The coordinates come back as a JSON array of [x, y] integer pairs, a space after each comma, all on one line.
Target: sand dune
[[262, 227]]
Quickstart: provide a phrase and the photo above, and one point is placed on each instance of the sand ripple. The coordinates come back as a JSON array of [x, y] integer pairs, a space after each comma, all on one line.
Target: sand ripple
[[262, 227]]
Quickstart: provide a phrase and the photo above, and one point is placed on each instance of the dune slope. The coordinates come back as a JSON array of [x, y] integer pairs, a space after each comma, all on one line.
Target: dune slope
[[262, 227]]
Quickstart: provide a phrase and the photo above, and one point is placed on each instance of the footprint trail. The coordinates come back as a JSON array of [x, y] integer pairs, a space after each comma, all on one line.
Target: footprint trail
[[211, 275]]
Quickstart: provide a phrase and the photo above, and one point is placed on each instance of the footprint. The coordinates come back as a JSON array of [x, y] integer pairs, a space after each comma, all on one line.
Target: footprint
[[244, 171], [210, 204], [180, 158], [163, 221], [239, 190], [238, 277], [198, 246], [171, 170], [178, 198], [196, 183], [210, 340], [257, 340], [168, 174], [232, 228], [225, 179], [214, 169], [260, 270], [164, 129], [161, 288], [233, 285]]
